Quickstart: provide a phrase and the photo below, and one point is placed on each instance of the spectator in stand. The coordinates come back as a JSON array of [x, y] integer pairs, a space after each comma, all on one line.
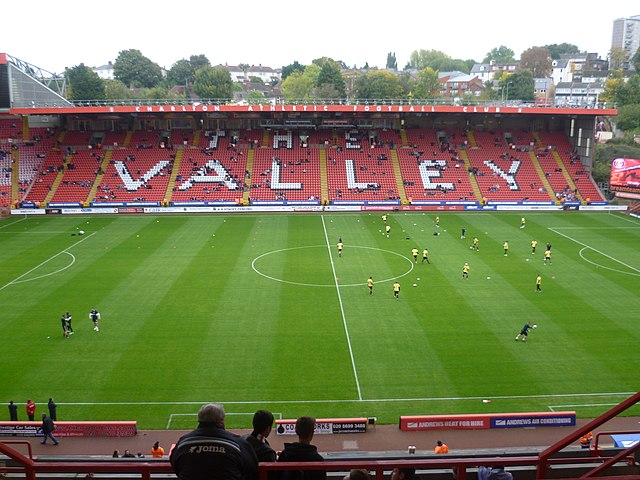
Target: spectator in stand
[[358, 474], [404, 474], [128, 454], [31, 410], [116, 454], [302, 451], [157, 451], [211, 452], [262, 425], [493, 473], [586, 439], [441, 447], [13, 411]]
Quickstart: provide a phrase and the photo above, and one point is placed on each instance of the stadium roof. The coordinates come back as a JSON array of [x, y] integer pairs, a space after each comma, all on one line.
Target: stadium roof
[[24, 85]]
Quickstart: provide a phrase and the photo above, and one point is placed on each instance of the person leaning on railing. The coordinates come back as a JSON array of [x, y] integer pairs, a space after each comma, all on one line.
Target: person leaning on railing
[[302, 451], [212, 453], [157, 451], [441, 447]]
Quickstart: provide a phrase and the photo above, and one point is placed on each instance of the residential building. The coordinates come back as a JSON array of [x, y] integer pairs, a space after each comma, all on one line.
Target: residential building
[[572, 67], [626, 35], [457, 84], [487, 71], [266, 74], [543, 91], [105, 71]]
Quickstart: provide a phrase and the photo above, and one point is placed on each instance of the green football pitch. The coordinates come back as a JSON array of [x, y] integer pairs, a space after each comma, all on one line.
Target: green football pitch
[[259, 311]]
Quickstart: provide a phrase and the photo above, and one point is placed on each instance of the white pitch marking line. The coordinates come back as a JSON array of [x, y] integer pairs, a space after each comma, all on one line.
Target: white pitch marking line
[[344, 320], [50, 232], [602, 266], [371, 400], [624, 217], [278, 415], [69, 265], [595, 250], [15, 280], [553, 407], [597, 228], [13, 223], [255, 269]]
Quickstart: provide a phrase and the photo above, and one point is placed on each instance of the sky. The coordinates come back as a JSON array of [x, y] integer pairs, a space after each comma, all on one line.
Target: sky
[[274, 33]]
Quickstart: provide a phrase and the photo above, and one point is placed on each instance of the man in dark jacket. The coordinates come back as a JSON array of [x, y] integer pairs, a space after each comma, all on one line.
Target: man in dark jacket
[[13, 411], [404, 474], [52, 410], [262, 425], [302, 451], [493, 473], [47, 430], [210, 452]]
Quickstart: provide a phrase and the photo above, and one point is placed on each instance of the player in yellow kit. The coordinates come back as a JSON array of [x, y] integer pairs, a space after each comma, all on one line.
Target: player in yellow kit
[[415, 252], [547, 257], [475, 244], [425, 256], [465, 271], [388, 230], [534, 244], [340, 247], [396, 290], [370, 285], [506, 248]]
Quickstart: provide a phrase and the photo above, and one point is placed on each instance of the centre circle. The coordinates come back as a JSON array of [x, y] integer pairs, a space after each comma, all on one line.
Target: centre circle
[[265, 264]]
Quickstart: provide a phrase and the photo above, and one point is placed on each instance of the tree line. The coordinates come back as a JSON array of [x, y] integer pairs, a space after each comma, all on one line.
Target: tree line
[[137, 77]]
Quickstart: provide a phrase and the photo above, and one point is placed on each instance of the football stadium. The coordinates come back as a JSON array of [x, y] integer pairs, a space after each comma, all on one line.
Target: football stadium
[[393, 268]]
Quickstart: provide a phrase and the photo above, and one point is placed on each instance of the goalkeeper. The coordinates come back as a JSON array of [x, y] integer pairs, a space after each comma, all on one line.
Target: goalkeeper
[[524, 333]]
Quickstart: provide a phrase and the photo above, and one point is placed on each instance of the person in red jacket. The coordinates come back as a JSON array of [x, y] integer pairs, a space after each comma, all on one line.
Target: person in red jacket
[[31, 410]]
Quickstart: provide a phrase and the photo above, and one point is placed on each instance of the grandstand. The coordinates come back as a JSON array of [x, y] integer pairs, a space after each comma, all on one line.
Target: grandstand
[[63, 167], [201, 154]]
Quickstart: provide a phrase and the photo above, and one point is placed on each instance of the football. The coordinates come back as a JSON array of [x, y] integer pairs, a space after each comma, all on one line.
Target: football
[[535, 326]]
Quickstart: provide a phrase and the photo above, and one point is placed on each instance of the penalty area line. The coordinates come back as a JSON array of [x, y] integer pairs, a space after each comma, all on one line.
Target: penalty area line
[[595, 250], [13, 223], [16, 280]]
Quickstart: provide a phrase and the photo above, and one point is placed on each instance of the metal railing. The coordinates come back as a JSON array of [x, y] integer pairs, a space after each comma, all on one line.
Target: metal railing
[[441, 101], [546, 455], [595, 463]]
